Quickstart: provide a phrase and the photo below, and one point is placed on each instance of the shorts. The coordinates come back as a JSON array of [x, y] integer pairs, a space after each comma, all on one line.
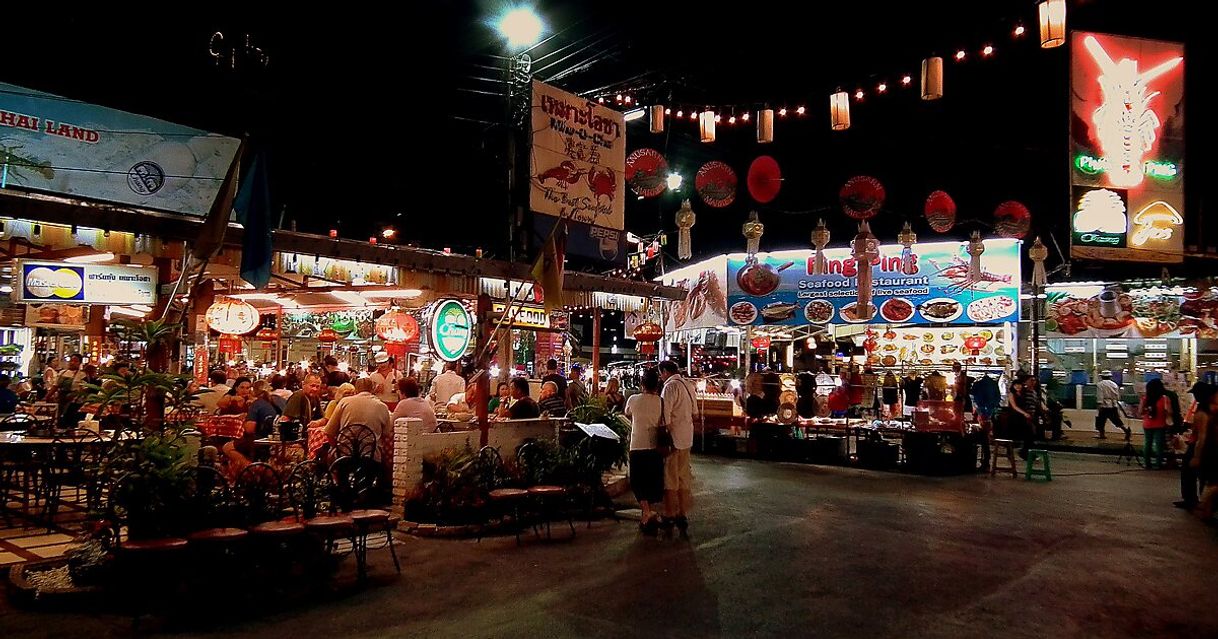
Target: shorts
[[677, 473], [647, 475]]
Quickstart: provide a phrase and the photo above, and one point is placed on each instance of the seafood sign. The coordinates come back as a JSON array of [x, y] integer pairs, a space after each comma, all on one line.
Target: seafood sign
[[58, 145], [779, 287], [579, 159]]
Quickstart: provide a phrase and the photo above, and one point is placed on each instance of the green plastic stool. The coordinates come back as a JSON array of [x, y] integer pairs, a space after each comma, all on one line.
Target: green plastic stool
[[1030, 469]]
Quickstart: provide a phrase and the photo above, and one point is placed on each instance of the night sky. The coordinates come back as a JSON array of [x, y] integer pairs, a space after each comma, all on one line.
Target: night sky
[[375, 117]]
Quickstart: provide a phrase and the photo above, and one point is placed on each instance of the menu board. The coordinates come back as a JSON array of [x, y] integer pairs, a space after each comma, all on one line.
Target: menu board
[[1111, 311], [940, 347], [779, 287]]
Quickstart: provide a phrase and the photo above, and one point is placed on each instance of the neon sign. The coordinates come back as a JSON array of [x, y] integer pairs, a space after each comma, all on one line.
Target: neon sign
[[1159, 170], [1125, 124], [1100, 211], [1156, 221]]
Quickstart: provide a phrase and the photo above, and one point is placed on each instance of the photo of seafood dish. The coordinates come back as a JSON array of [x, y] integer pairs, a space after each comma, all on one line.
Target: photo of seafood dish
[[928, 348], [778, 312], [850, 313], [897, 309], [1109, 314], [818, 311], [947, 349], [943, 309], [991, 308], [759, 278], [743, 313], [889, 360]]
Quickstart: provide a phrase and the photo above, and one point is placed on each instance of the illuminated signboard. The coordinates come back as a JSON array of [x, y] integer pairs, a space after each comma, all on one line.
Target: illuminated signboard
[[523, 316], [1127, 148]]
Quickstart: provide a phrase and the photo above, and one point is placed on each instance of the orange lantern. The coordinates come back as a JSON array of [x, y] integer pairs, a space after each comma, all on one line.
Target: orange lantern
[[647, 334], [397, 326], [234, 317], [761, 343], [328, 335]]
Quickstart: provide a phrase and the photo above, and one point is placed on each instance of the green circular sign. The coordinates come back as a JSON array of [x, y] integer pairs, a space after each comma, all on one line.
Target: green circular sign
[[452, 328]]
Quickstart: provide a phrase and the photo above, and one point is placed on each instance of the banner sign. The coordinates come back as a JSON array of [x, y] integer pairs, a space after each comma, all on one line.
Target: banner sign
[[452, 330], [1127, 148], [578, 160], [85, 283], [49, 143], [778, 288], [522, 315], [1112, 312], [64, 317], [705, 303], [586, 240]]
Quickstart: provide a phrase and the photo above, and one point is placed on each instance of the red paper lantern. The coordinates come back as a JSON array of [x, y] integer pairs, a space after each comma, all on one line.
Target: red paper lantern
[[647, 334], [328, 335], [397, 326], [716, 184], [1012, 219], [940, 211], [396, 349], [761, 343], [975, 343], [646, 172], [861, 197], [764, 179]]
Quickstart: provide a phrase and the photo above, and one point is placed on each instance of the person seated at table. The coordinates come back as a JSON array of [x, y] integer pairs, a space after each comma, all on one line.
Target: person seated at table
[[414, 407], [523, 406], [550, 402], [279, 389], [304, 405], [345, 389], [8, 399], [363, 408], [501, 401], [209, 397], [238, 399], [260, 421]]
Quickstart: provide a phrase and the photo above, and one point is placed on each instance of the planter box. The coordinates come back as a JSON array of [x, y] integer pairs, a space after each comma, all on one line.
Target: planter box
[[24, 591]]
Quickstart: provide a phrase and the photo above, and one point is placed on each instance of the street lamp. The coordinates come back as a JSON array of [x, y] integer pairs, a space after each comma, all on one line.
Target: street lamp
[[521, 27], [673, 181]]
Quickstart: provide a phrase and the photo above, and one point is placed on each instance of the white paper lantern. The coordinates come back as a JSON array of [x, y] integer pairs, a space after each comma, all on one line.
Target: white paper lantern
[[1052, 23], [706, 125], [932, 78], [839, 111], [765, 126], [234, 317], [657, 118]]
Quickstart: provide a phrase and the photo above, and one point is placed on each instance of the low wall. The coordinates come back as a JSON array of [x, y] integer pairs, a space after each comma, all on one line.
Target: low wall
[[411, 445]]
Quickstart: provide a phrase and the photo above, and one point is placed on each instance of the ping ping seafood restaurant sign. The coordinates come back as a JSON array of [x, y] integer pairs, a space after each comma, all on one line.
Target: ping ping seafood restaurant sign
[[85, 283], [1127, 148]]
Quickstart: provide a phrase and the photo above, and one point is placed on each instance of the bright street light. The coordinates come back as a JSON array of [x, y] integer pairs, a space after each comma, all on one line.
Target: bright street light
[[674, 181], [521, 27]]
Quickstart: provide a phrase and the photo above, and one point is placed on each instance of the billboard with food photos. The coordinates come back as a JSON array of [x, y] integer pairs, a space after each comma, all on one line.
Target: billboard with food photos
[[780, 287], [1126, 148]]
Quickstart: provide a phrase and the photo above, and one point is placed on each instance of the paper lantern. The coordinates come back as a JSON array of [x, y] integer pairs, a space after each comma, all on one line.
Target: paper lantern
[[764, 179], [940, 211], [765, 126], [397, 326], [820, 237], [1052, 23], [839, 111], [907, 238], [685, 222], [328, 335], [1012, 219], [866, 249], [716, 184], [1038, 253], [752, 230], [646, 172], [657, 118], [976, 246], [235, 317], [761, 343], [932, 78], [706, 125], [647, 334], [861, 197]]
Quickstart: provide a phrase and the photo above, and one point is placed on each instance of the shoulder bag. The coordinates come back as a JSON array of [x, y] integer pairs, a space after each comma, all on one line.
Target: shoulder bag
[[664, 444]]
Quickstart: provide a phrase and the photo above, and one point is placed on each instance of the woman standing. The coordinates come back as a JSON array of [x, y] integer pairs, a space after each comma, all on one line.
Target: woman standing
[[614, 400], [646, 463], [1205, 459], [1155, 408]]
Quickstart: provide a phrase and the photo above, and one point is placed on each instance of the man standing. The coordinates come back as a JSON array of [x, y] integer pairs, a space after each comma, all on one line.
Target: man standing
[[576, 393], [1108, 399], [447, 384], [385, 379], [553, 376], [209, 397], [334, 377], [362, 408], [69, 385], [679, 404]]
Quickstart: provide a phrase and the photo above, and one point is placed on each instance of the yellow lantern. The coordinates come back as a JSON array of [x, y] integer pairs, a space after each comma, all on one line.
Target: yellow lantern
[[752, 230], [657, 118], [1052, 23], [765, 126], [932, 78], [839, 111], [234, 317], [706, 125]]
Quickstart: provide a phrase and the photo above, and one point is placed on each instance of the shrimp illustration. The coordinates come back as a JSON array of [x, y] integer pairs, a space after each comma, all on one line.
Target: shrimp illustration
[[957, 272], [1124, 123], [16, 164]]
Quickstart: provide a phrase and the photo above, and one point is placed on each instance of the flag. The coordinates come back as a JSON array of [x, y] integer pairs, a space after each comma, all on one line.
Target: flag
[[211, 234], [253, 208], [548, 270]]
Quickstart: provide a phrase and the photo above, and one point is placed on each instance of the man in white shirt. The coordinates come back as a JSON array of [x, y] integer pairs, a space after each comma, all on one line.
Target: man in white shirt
[[385, 379], [362, 408], [209, 397], [447, 384], [679, 408], [413, 406], [1107, 400]]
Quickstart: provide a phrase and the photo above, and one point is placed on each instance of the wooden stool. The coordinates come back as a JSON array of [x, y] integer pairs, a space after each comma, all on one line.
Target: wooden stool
[[546, 497], [1031, 471], [505, 499], [1009, 446]]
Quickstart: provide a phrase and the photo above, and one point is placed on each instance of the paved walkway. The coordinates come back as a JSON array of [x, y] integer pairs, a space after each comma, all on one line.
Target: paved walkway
[[794, 551]]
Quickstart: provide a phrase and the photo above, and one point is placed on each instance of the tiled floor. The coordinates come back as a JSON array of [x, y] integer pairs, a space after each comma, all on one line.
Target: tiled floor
[[25, 540]]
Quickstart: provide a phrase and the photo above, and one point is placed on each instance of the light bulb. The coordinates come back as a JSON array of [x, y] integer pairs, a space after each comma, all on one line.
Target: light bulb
[[731, 120], [988, 50], [782, 111], [680, 113], [1018, 31], [800, 110], [906, 80], [858, 95], [745, 117], [960, 54], [882, 88]]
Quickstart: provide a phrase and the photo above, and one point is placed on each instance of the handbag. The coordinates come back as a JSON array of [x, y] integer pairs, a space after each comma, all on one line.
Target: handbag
[[664, 443]]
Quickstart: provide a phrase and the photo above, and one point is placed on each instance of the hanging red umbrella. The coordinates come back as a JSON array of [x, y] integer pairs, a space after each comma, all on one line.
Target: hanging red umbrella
[[940, 211], [1012, 219], [861, 197], [764, 179], [716, 184], [646, 171]]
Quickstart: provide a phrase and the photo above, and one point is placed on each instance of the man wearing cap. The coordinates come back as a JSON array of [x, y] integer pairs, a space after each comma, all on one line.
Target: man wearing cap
[[385, 379], [1108, 400], [576, 393]]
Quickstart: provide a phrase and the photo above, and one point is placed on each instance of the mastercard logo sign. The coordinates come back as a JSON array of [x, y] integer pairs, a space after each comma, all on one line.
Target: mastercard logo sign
[[54, 283]]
